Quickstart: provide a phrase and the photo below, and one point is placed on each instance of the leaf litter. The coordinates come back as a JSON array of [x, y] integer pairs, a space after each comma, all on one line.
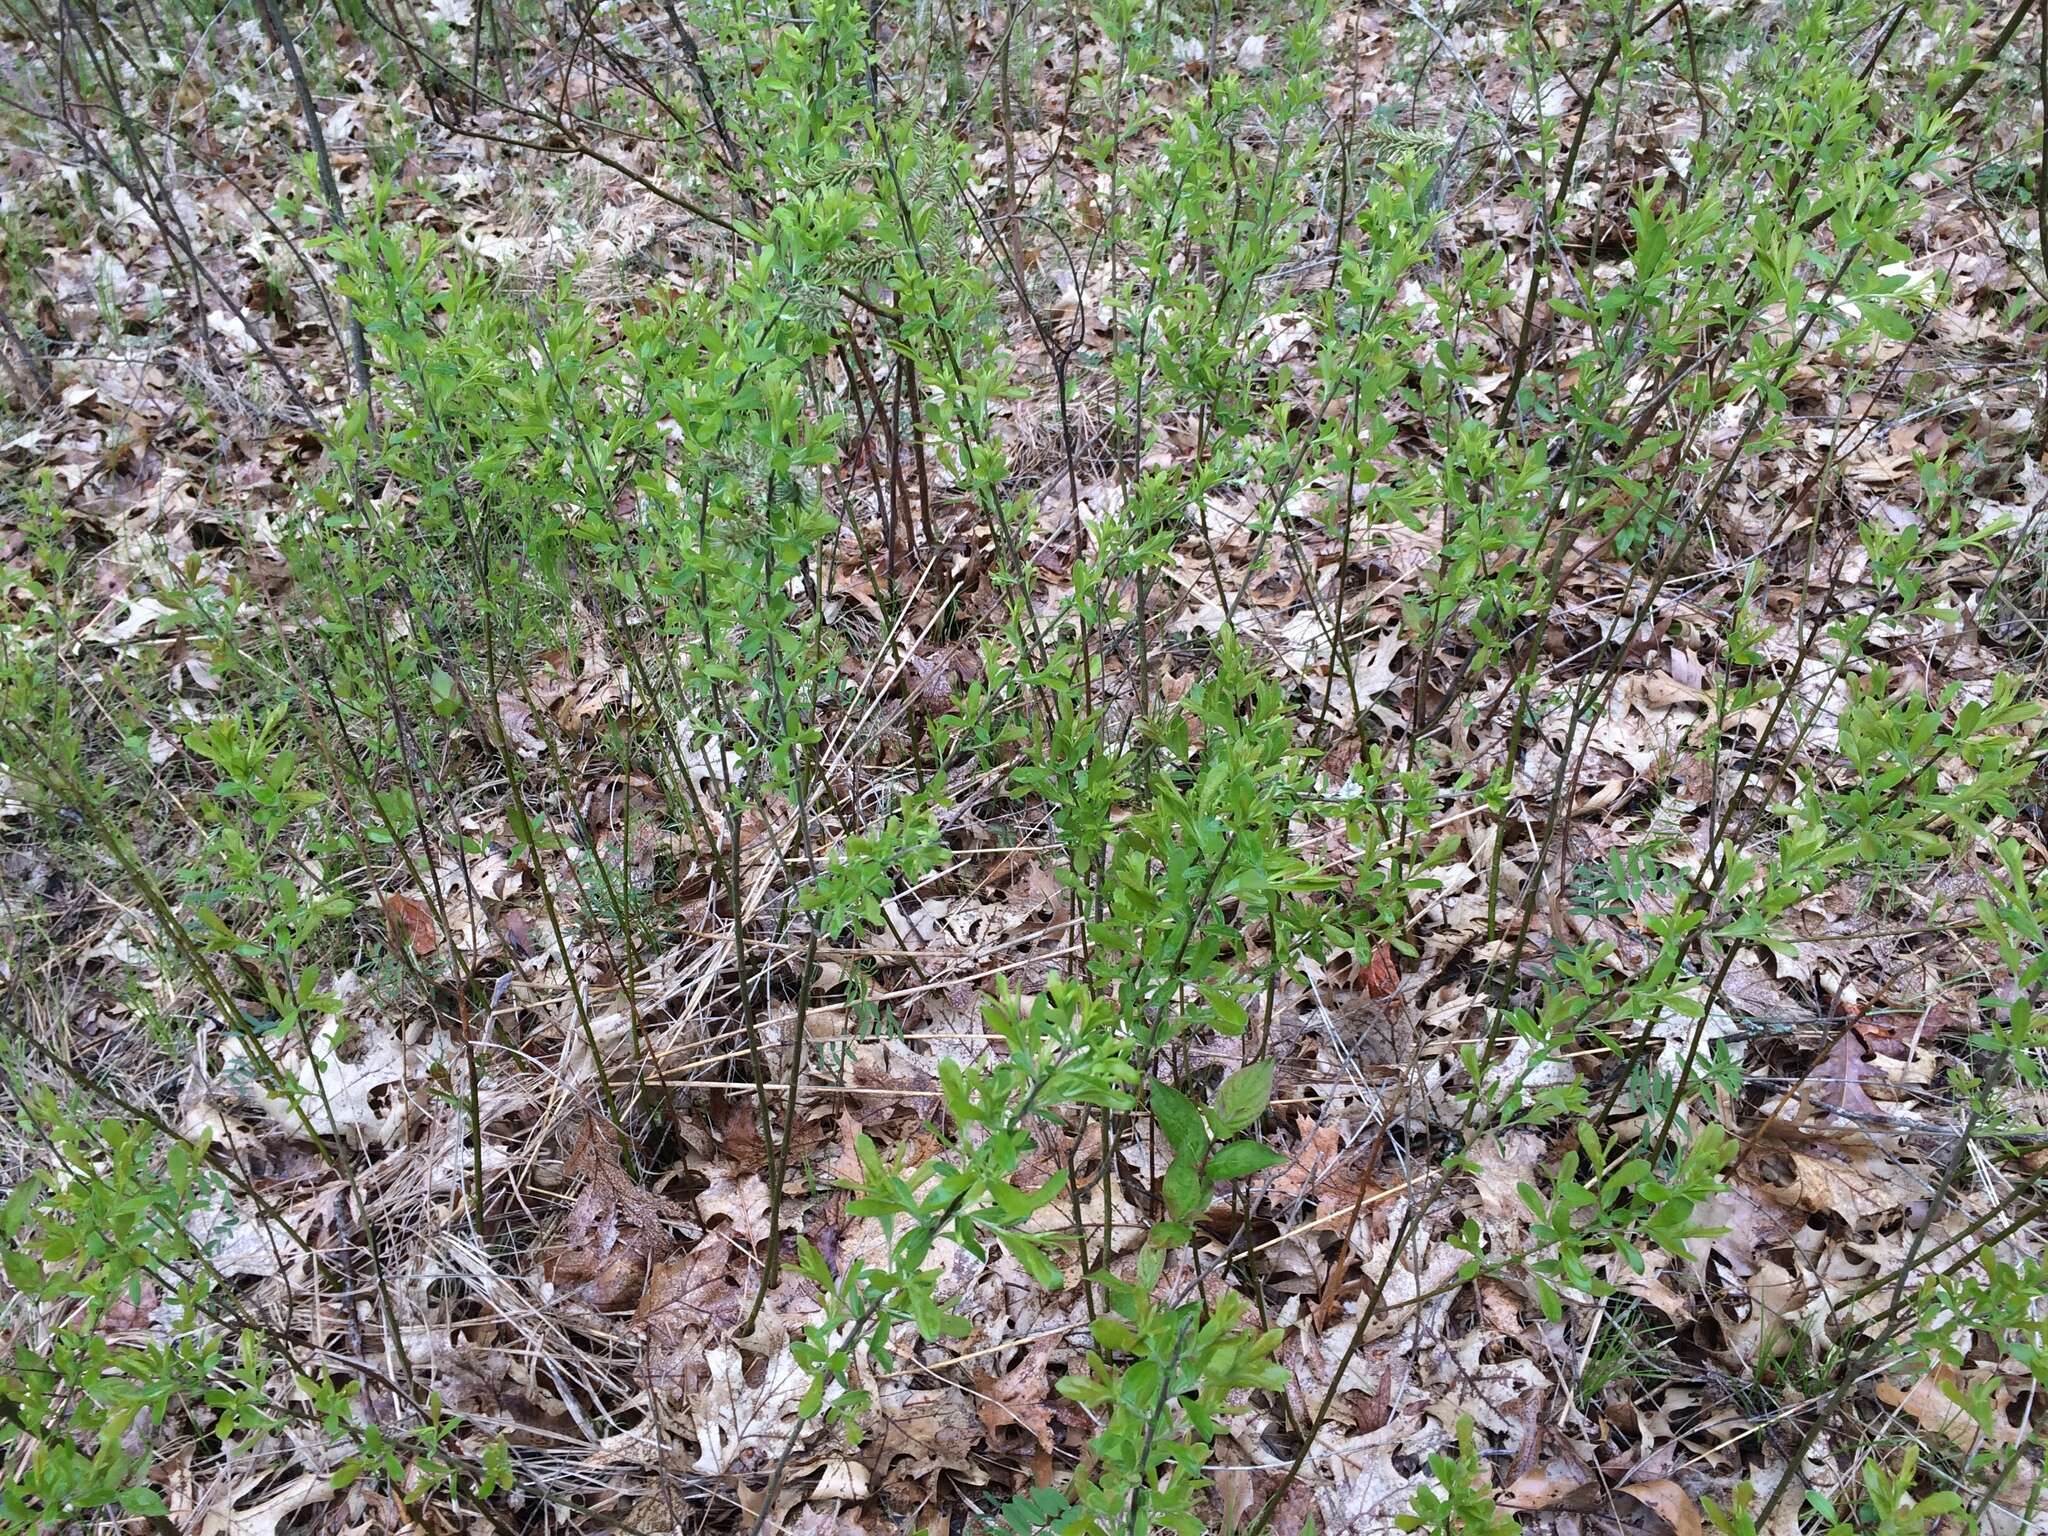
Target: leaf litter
[[629, 1287]]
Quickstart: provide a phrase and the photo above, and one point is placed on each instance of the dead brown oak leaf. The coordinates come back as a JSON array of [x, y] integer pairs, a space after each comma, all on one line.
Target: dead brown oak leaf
[[1670, 1508], [1503, 1164], [1858, 1184], [1742, 1219], [1934, 1403], [1018, 1397], [689, 1303], [614, 1235], [1839, 1077], [743, 1202], [736, 1421], [1669, 1503], [927, 1427], [1319, 1153]]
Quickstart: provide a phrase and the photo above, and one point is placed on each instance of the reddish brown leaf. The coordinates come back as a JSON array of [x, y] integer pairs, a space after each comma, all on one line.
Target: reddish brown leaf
[[1382, 978], [411, 923]]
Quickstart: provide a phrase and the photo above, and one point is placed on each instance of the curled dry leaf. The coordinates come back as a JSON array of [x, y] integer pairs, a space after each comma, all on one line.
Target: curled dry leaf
[[263, 1513], [411, 923], [515, 727], [1670, 1504], [1382, 978]]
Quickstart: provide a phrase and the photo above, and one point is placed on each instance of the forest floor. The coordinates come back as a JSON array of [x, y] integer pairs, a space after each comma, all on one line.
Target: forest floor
[[1456, 595]]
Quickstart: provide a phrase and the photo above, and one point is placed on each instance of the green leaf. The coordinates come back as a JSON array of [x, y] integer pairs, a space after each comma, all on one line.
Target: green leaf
[[1151, 1263], [1183, 1189], [1231, 1017], [14, 1214], [1032, 1257], [1169, 1234], [1240, 1160], [953, 1084], [811, 1264], [870, 1160], [1242, 1098], [935, 1322], [1180, 1120], [142, 1501], [1113, 1333]]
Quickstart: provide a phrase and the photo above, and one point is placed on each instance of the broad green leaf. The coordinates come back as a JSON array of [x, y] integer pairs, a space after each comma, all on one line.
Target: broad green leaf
[[1114, 1333], [1027, 1253], [1241, 1159], [953, 1084], [1242, 1098], [1179, 1119], [1182, 1188]]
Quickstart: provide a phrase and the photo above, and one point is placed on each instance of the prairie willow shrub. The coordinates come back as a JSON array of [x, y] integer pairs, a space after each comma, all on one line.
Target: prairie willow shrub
[[1178, 835], [1062, 1050], [1164, 1370], [1722, 266], [1606, 1198], [1882, 1501], [127, 1332], [1160, 1378], [112, 1297], [1209, 1146], [1461, 1501], [560, 485], [650, 457], [865, 869], [1907, 802]]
